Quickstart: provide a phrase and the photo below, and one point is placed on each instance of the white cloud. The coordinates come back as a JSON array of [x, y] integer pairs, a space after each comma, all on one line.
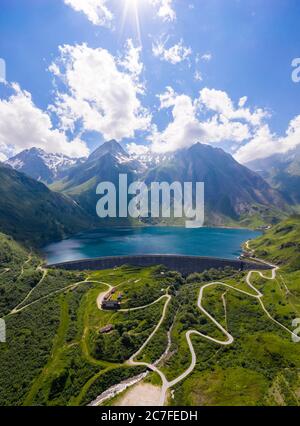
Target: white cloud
[[265, 143], [54, 69], [23, 125], [206, 57], [210, 118], [214, 119], [168, 98], [198, 76], [243, 101], [131, 61], [220, 102], [98, 12], [184, 130], [135, 149], [95, 10], [165, 10], [102, 92], [175, 54]]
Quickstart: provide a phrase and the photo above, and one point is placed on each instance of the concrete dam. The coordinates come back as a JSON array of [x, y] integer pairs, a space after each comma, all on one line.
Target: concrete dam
[[184, 264]]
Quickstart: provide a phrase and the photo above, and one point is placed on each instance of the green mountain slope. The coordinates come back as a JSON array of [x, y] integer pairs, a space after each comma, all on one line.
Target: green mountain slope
[[281, 244], [30, 212]]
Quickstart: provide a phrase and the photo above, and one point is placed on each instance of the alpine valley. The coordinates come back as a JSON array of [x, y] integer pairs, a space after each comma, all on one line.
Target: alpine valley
[[145, 335], [114, 292]]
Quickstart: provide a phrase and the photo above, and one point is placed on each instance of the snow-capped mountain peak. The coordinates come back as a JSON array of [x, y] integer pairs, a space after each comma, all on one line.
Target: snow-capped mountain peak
[[41, 165]]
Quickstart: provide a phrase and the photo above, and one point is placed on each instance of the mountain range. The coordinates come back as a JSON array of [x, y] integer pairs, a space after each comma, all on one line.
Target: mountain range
[[234, 194], [42, 166], [232, 191]]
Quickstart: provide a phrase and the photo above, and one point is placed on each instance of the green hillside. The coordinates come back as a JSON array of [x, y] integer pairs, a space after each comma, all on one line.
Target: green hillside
[[31, 213], [281, 244]]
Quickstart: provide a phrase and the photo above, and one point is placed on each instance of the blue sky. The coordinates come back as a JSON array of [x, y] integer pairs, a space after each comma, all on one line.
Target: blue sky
[[182, 81]]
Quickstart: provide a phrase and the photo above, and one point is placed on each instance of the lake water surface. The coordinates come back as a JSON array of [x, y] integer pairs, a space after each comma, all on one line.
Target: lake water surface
[[212, 242]]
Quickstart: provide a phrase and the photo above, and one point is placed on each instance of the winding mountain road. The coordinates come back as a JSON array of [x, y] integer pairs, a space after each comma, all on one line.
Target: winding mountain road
[[18, 307], [229, 339]]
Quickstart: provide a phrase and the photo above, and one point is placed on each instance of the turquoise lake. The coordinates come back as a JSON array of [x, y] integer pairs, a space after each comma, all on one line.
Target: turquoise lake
[[212, 242]]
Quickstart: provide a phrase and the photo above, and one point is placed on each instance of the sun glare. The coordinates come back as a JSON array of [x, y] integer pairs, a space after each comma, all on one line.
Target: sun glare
[[131, 11]]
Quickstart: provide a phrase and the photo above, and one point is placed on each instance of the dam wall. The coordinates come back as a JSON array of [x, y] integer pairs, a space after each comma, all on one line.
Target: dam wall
[[184, 264]]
